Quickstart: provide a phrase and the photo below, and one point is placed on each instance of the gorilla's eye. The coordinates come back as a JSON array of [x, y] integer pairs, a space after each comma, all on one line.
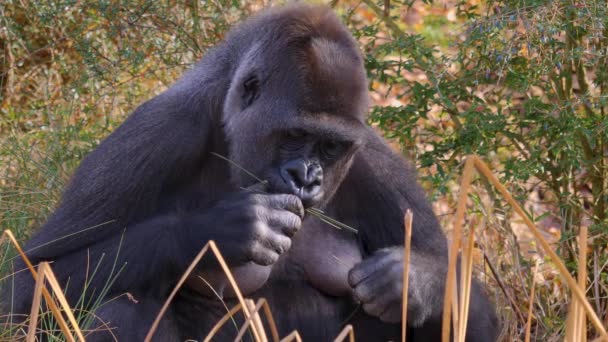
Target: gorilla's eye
[[331, 149], [294, 139], [251, 90]]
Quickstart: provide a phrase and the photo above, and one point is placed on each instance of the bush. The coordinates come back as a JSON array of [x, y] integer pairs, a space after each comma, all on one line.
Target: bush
[[524, 84]]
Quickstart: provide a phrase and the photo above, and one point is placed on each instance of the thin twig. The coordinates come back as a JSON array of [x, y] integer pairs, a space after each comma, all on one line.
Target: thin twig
[[502, 287], [386, 18]]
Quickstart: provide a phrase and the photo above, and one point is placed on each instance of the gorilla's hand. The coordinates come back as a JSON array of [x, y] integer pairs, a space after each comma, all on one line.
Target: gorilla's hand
[[254, 227], [377, 282]]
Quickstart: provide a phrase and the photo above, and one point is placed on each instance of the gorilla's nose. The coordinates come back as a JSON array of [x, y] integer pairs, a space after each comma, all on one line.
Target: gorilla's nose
[[303, 178]]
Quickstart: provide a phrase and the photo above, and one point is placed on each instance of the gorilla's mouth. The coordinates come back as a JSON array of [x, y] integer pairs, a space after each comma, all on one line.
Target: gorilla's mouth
[[309, 200], [310, 196]]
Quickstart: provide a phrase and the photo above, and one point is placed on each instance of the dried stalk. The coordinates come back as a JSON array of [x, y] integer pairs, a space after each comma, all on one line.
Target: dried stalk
[[347, 331], [264, 303], [576, 324], [37, 299], [209, 245], [406, 270], [47, 296], [219, 324], [450, 287], [255, 319], [559, 264], [531, 304], [291, 337], [466, 273]]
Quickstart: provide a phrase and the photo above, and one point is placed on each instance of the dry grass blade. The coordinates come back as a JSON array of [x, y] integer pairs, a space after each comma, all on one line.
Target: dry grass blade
[[450, 284], [408, 219], [45, 268], [576, 321], [45, 273], [559, 264], [254, 319], [209, 245], [293, 336], [47, 296], [347, 331], [219, 297], [269, 317], [531, 304], [466, 274], [455, 310], [580, 318], [235, 164], [318, 213], [329, 220], [219, 324], [36, 301]]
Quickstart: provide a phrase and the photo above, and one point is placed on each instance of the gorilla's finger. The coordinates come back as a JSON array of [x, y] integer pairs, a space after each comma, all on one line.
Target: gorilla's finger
[[392, 314], [287, 202], [383, 301], [366, 268], [371, 287], [373, 308], [277, 242], [263, 256], [285, 222]]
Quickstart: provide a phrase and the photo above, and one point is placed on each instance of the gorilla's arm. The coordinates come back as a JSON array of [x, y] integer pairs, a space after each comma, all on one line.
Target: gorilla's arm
[[160, 147], [122, 181], [246, 227], [377, 191]]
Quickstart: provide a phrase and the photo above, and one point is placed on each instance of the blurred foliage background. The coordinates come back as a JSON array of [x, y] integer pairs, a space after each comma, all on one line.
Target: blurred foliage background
[[524, 84]]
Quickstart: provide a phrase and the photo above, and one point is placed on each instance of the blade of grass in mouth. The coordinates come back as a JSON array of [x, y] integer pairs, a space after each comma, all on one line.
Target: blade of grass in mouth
[[318, 213]]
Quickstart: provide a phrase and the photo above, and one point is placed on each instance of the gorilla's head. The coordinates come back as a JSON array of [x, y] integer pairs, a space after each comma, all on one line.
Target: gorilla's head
[[296, 104]]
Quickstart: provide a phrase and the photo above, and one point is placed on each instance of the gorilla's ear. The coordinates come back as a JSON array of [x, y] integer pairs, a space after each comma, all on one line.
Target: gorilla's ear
[[251, 90], [246, 83]]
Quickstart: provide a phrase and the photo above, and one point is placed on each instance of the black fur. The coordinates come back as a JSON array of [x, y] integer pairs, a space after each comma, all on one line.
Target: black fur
[[160, 195]]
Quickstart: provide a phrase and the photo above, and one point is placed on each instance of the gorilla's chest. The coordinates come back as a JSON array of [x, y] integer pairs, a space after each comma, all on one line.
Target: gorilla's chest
[[323, 255]]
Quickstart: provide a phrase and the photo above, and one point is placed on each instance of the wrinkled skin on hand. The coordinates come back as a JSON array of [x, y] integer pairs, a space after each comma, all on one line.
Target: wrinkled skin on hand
[[377, 283]]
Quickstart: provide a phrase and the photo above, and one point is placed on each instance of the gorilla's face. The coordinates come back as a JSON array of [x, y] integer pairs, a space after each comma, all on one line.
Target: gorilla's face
[[308, 155], [293, 117], [309, 164]]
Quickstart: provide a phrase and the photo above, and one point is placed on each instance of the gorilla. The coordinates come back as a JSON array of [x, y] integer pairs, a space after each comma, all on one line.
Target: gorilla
[[284, 97]]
